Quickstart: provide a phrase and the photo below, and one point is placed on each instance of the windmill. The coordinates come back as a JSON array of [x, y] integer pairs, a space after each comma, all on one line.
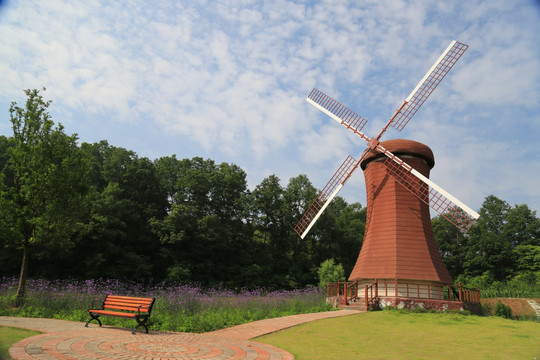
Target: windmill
[[436, 197], [399, 249]]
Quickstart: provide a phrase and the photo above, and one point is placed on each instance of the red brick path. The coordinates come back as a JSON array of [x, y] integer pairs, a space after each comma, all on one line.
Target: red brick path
[[71, 340]]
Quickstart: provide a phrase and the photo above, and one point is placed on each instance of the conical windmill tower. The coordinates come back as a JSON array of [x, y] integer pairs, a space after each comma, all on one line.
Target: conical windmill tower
[[399, 256]]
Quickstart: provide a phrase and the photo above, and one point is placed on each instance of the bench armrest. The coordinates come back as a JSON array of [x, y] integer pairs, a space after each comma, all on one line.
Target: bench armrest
[[149, 310], [93, 301], [139, 309]]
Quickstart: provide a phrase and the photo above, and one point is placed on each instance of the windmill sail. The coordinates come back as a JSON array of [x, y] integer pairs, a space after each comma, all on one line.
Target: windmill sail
[[336, 110], [428, 83], [430, 193], [325, 196]]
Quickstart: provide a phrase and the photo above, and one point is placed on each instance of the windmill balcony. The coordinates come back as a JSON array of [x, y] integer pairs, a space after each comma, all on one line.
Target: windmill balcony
[[402, 294]]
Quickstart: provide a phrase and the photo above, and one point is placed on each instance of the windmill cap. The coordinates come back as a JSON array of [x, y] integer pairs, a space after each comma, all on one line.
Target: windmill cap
[[401, 147]]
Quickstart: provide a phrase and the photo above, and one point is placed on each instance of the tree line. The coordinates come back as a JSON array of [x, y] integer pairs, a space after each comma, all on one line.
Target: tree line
[[85, 211]]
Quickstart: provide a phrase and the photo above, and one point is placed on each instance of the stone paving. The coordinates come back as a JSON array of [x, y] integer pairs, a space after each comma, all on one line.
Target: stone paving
[[536, 308], [62, 339]]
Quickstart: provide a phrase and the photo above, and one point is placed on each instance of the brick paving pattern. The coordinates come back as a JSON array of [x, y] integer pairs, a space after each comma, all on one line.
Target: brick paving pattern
[[71, 340]]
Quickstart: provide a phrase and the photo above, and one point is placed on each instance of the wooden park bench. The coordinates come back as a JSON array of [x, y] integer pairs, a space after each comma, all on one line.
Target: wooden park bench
[[124, 307]]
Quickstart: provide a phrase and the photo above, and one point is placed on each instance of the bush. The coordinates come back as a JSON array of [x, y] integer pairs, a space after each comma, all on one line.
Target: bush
[[503, 310], [487, 309], [330, 272]]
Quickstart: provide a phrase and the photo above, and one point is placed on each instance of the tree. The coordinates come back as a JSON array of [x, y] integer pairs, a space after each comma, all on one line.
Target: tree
[[118, 242], [270, 236], [502, 245], [330, 272], [528, 259], [203, 237], [452, 245], [522, 227], [342, 233], [42, 200], [489, 250]]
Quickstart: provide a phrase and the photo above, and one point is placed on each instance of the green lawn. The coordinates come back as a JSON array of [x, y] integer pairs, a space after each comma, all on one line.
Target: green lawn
[[9, 336], [401, 335]]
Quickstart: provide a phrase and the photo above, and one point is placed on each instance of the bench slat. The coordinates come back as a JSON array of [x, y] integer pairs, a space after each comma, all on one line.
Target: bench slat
[[124, 303], [135, 307], [129, 298], [113, 313], [129, 303], [132, 303], [126, 308], [126, 298]]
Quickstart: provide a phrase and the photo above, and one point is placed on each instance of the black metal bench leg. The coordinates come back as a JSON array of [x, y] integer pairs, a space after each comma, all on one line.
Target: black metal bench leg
[[141, 321], [136, 327], [93, 317]]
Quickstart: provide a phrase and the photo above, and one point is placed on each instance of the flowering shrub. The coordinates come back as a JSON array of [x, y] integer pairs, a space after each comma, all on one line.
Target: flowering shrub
[[185, 308]]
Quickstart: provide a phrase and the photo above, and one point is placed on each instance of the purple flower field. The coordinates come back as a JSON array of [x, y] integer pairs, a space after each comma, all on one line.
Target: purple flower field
[[185, 308]]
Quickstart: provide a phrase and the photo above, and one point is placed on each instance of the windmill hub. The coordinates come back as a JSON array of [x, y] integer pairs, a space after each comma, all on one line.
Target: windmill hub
[[372, 144]]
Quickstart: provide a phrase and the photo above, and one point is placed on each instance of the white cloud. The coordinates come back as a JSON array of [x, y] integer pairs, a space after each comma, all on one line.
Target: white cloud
[[230, 77], [494, 77]]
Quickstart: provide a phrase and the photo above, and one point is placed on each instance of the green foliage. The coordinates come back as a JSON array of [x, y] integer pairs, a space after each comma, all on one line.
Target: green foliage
[[525, 285], [487, 309], [503, 310], [330, 272], [528, 258], [452, 245], [125, 195], [43, 183], [49, 177], [499, 255]]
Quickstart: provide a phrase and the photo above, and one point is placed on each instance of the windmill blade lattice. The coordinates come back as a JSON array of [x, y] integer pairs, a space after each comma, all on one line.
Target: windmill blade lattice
[[430, 81], [445, 204], [325, 196], [336, 110]]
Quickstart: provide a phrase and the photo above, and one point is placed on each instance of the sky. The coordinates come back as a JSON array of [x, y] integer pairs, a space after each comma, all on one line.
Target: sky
[[227, 80]]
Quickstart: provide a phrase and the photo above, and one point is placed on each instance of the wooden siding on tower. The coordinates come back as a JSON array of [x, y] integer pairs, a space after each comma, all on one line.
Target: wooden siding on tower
[[399, 241]]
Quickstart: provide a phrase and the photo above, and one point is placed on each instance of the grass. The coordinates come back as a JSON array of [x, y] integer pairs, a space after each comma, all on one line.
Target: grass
[[9, 336], [401, 335]]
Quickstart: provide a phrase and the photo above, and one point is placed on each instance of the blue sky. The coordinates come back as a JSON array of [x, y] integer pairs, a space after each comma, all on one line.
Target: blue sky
[[227, 80]]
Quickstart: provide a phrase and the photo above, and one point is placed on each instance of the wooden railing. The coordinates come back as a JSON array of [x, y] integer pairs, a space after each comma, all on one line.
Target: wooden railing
[[427, 291], [343, 290], [371, 294], [347, 291], [351, 292], [459, 293]]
